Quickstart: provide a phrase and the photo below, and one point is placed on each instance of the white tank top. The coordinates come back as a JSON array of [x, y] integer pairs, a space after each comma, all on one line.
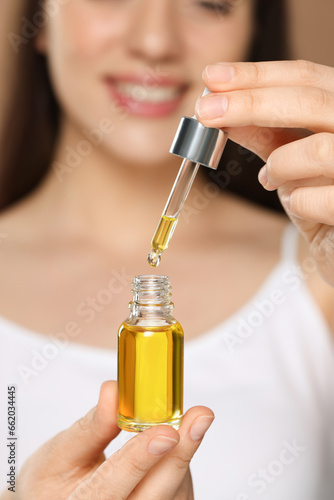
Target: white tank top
[[267, 373]]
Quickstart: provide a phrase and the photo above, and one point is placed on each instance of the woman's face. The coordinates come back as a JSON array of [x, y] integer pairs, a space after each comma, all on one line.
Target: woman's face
[[132, 68]]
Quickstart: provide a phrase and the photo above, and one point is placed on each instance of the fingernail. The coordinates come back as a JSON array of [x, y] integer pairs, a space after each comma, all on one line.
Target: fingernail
[[199, 427], [219, 73], [263, 178], [161, 444], [211, 106]]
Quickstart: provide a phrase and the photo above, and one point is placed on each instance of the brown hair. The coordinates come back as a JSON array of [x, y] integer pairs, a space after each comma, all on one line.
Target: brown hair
[[30, 112], [239, 168]]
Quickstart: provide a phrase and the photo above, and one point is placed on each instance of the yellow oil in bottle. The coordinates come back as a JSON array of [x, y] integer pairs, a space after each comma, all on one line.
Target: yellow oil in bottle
[[150, 376], [161, 238]]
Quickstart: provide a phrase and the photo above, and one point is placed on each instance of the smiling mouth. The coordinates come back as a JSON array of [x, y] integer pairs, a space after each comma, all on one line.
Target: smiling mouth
[[146, 98], [146, 93]]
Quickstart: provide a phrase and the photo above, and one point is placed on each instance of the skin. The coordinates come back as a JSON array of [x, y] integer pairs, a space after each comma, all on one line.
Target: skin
[[72, 465], [299, 163], [120, 190]]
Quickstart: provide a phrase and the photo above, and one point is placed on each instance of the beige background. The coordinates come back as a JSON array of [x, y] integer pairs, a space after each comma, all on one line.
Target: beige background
[[312, 30]]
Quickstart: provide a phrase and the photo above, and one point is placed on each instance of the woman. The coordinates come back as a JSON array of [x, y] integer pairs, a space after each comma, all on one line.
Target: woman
[[86, 173]]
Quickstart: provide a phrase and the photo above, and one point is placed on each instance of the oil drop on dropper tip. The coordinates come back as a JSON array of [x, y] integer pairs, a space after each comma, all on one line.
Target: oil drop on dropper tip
[[154, 258], [197, 145]]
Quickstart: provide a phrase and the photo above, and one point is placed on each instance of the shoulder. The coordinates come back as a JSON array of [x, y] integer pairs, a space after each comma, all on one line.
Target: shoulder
[[18, 236], [12, 229], [18, 224]]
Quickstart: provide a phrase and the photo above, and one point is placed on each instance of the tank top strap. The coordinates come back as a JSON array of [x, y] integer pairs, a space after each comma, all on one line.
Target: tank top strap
[[289, 243]]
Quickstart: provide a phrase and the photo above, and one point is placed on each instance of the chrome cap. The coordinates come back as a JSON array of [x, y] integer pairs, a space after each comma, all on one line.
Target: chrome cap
[[197, 143]]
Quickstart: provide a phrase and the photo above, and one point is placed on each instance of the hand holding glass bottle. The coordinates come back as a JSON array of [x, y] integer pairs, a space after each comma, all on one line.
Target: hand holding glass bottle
[[149, 463]]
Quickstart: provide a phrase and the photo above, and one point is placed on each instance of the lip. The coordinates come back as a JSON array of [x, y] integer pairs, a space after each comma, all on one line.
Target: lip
[[146, 108]]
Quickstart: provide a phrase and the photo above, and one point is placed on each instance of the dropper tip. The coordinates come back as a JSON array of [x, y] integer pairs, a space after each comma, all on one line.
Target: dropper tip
[[154, 258]]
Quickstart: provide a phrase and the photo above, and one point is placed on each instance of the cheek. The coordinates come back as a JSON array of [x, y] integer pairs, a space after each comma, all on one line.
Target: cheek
[[79, 41], [80, 33], [229, 41], [239, 38]]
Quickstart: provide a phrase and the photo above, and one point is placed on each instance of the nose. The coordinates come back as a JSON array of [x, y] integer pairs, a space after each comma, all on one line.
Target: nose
[[153, 33]]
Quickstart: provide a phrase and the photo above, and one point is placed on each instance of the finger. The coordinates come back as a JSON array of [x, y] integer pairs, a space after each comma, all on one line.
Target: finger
[[122, 472], [289, 107], [86, 439], [309, 157], [195, 423], [311, 203], [317, 234], [186, 489], [222, 77], [264, 140]]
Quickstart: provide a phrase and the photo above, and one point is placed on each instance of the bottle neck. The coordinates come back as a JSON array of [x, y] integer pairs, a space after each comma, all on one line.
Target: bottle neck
[[151, 297]]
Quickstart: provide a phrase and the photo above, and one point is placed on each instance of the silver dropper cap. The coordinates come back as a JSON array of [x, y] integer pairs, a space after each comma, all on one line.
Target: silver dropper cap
[[203, 145]]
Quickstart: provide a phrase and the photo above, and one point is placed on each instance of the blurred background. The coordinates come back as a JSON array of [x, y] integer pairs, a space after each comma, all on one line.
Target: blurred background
[[311, 30]]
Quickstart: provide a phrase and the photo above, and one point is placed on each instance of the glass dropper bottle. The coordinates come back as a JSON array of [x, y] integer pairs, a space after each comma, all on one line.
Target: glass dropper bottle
[[197, 145]]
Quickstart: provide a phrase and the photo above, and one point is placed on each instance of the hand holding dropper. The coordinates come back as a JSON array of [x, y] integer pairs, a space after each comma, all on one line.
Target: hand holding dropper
[[198, 145]]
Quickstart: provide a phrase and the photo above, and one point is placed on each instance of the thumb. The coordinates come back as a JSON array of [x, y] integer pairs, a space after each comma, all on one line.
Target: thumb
[[86, 439]]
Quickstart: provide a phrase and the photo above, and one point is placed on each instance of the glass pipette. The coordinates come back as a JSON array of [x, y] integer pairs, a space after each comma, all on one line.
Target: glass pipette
[[198, 145], [171, 213]]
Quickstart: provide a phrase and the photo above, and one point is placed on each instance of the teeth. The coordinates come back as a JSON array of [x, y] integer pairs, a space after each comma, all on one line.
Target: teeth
[[142, 93]]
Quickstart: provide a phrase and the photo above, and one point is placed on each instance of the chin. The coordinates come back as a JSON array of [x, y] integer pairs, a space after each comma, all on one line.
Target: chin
[[143, 143], [140, 156]]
